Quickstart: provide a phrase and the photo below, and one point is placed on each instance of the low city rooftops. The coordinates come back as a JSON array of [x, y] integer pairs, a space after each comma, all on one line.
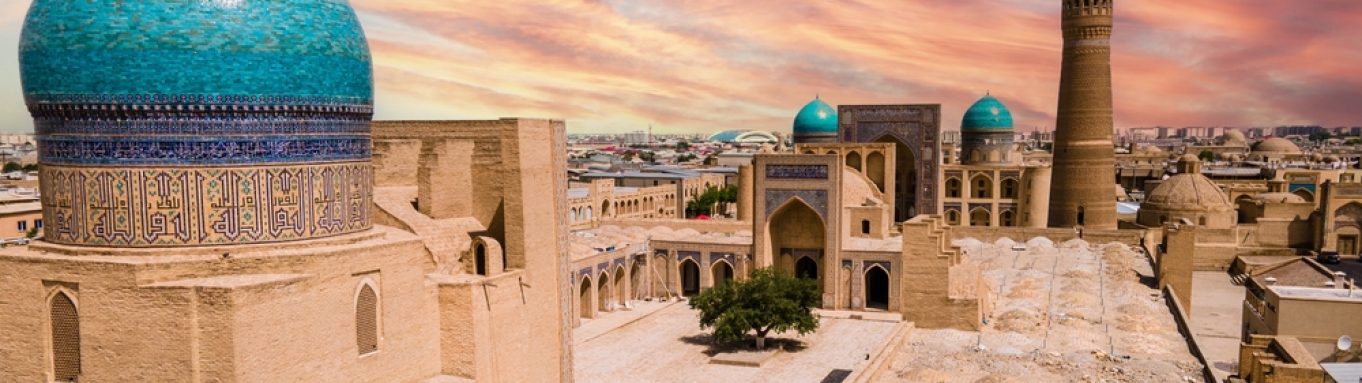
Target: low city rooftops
[[1334, 294]]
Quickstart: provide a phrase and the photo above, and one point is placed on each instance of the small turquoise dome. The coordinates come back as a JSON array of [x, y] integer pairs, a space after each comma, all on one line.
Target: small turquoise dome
[[987, 114], [817, 118], [154, 51]]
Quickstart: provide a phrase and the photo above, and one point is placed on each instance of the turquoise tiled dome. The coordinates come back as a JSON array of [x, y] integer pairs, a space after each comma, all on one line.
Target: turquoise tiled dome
[[261, 107], [817, 118], [987, 114], [282, 50]]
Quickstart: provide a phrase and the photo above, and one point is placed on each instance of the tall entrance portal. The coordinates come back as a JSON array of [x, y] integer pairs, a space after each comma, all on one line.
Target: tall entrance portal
[[905, 174], [915, 131], [797, 236]]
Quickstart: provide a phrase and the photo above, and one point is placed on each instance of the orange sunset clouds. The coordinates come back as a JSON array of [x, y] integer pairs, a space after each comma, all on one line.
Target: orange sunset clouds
[[706, 65]]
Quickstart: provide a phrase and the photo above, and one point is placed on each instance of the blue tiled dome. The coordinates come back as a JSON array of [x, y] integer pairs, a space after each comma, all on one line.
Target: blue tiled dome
[[987, 114], [206, 122], [817, 118], [288, 51]]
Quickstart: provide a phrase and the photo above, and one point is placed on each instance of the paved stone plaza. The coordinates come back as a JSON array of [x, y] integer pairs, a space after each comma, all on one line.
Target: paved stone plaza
[[1217, 319], [668, 346]]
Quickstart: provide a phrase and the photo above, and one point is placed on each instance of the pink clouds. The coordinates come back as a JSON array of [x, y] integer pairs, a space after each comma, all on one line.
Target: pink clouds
[[706, 65], [703, 65]]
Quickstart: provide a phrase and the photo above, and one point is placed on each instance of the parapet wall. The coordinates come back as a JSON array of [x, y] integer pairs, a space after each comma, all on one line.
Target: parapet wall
[[1021, 234], [719, 226]]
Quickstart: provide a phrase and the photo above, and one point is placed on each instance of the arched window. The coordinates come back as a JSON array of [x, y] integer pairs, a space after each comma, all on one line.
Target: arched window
[[980, 217], [953, 188], [65, 338], [983, 187], [952, 217], [865, 226], [366, 319], [1007, 218], [1009, 188]]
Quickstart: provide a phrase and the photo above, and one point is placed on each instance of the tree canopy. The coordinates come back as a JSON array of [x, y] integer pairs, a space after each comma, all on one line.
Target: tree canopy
[[1206, 155], [713, 197], [767, 301]]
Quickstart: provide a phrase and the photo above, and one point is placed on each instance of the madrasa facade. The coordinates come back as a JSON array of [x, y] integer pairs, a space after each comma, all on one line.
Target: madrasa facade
[[219, 207]]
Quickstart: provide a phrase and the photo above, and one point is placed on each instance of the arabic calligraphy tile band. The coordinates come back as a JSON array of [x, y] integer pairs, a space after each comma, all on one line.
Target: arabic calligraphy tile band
[[151, 207]]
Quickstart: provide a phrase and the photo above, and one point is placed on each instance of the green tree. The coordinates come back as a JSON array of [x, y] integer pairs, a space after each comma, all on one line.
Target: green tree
[[713, 197], [682, 146], [648, 157], [766, 301], [31, 167], [1320, 136], [1206, 155], [12, 167], [628, 157]]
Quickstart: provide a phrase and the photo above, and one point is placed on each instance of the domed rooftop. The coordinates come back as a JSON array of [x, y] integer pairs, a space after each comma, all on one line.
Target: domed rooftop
[[1277, 145], [817, 118], [282, 51], [857, 190], [987, 114], [1234, 137], [261, 107], [1146, 149], [1188, 192], [1279, 198]]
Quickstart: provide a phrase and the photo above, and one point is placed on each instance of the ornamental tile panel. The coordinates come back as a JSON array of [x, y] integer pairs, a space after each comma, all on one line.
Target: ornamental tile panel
[[817, 199], [798, 172], [147, 207]]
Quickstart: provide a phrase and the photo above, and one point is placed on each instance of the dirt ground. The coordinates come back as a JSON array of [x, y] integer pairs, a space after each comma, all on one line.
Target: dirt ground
[[1065, 312]]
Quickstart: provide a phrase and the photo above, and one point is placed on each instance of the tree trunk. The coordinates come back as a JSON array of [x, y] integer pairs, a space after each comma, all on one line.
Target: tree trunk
[[761, 339]]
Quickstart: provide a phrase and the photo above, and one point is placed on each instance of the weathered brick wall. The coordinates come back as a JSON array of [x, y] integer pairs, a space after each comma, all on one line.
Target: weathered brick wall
[[274, 314]]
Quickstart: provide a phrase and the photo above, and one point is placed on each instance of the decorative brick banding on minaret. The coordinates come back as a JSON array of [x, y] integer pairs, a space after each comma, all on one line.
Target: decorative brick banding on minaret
[[1083, 189]]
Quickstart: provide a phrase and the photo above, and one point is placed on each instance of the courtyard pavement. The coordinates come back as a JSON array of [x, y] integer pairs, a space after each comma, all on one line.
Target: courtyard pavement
[[1217, 313], [668, 346]]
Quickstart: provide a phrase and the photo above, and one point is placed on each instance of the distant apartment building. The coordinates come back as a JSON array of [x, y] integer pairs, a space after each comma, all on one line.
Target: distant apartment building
[[634, 137], [1283, 131], [16, 139], [20, 213]]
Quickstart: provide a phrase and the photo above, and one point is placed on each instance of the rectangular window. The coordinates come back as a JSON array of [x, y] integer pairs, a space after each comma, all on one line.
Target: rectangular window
[[23, 225], [38, 223]]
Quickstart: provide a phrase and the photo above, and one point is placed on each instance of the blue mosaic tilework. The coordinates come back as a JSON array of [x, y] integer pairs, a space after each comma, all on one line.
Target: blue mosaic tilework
[[217, 150], [167, 77], [199, 122], [195, 47], [145, 207]]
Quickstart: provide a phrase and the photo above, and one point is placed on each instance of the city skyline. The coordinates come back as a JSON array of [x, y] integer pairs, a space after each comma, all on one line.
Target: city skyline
[[703, 66]]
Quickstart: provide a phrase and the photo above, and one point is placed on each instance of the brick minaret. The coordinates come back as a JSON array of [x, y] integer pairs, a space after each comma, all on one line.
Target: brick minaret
[[1083, 188]]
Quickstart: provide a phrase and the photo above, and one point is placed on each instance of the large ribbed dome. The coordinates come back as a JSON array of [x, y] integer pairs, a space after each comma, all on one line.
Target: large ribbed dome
[[1188, 192], [184, 123], [817, 118], [1277, 145], [987, 114]]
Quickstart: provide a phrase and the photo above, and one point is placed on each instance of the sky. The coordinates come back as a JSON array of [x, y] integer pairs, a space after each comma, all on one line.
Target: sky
[[698, 66]]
